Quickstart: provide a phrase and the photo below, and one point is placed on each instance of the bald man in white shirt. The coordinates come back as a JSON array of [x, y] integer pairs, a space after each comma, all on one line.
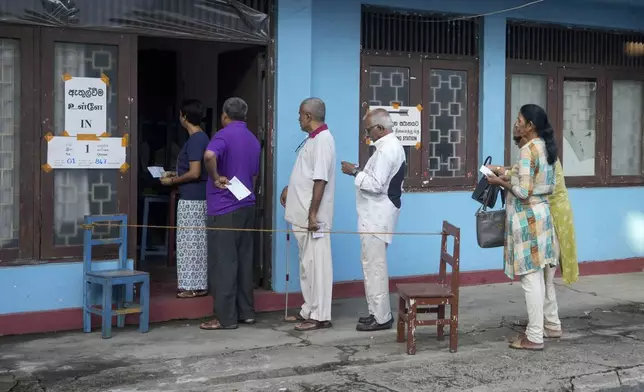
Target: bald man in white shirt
[[308, 201], [378, 201]]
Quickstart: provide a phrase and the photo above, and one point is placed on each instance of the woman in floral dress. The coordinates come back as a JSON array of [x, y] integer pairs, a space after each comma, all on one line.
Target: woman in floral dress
[[530, 241]]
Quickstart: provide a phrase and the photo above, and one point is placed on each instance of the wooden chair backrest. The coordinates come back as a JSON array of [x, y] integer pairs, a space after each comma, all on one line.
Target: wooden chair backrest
[[89, 242], [452, 259]]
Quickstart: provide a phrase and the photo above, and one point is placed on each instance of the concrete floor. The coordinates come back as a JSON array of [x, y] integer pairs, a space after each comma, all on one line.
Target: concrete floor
[[603, 349]]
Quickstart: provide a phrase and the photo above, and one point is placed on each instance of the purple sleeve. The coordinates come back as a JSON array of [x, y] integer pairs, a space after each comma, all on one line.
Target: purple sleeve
[[196, 147], [217, 145]]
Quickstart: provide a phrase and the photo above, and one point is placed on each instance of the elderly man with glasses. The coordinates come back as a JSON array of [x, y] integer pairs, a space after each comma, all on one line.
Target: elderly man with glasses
[[378, 201]]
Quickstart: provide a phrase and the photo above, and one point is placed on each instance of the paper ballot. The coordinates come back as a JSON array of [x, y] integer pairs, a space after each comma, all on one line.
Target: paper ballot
[[486, 171], [238, 188], [156, 171], [317, 234]]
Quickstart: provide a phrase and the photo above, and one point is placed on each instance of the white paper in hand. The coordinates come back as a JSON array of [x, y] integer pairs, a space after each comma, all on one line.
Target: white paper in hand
[[156, 171], [238, 188], [317, 234], [487, 172]]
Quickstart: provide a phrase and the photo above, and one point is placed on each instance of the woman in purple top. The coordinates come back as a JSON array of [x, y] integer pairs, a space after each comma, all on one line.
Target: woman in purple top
[[191, 176]]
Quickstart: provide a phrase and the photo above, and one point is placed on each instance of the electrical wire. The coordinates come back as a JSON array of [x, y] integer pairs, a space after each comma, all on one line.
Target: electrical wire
[[466, 17]]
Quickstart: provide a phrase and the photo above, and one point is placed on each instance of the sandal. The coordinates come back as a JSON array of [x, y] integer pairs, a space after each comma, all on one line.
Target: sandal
[[214, 325], [294, 319], [525, 344], [548, 333], [312, 325], [516, 338], [192, 293]]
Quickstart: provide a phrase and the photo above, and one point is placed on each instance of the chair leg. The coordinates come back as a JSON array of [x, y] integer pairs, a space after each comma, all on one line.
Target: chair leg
[[453, 328], [144, 320], [120, 304], [129, 293], [87, 302], [107, 311], [411, 327], [400, 333], [440, 335]]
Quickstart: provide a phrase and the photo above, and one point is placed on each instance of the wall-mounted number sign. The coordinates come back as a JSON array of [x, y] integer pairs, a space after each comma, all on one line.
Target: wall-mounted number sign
[[82, 152], [86, 105]]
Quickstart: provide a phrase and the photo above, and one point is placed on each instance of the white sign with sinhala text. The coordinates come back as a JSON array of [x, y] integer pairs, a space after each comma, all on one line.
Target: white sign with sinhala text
[[406, 123], [85, 105]]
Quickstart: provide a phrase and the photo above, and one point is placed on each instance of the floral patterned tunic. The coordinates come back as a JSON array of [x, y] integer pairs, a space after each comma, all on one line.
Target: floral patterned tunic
[[530, 240]]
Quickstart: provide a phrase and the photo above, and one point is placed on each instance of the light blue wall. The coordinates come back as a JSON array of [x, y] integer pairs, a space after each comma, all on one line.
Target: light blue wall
[[318, 54], [44, 287]]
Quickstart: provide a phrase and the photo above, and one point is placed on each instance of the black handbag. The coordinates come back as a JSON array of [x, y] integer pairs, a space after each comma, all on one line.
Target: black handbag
[[486, 193], [490, 225]]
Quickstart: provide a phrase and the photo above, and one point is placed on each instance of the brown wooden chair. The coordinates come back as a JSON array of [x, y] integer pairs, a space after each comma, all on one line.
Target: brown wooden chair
[[418, 298]]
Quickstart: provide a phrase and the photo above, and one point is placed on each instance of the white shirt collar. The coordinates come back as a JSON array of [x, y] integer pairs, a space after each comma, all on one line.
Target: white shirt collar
[[378, 143]]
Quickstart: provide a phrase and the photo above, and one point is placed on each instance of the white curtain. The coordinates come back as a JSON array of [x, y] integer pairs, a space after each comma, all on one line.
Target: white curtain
[[71, 189], [579, 127], [9, 143], [626, 159], [525, 89]]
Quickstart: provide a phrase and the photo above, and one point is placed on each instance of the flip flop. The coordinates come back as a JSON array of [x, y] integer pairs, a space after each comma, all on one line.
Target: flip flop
[[192, 294], [516, 337], [312, 325], [295, 319], [525, 344], [214, 325]]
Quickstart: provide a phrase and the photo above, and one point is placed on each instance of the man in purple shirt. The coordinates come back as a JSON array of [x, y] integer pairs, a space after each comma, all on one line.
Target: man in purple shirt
[[233, 152]]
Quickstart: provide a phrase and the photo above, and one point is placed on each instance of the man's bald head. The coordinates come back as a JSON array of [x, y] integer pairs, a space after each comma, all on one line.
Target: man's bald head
[[315, 107], [312, 114], [379, 117], [378, 123]]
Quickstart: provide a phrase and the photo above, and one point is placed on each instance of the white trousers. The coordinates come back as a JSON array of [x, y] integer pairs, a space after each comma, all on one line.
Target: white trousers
[[541, 301], [316, 275], [376, 277]]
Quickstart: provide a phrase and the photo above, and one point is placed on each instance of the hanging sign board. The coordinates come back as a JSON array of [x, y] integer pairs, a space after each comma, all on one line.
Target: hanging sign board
[[406, 123], [85, 152], [86, 105]]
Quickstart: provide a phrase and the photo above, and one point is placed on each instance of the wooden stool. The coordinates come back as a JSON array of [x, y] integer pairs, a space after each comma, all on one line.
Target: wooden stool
[[145, 250], [415, 298]]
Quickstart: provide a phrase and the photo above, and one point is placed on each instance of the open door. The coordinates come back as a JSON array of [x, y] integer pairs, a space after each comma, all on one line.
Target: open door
[[242, 73]]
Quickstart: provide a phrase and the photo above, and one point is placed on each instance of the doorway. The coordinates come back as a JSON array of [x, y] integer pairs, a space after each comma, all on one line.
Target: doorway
[[169, 71]]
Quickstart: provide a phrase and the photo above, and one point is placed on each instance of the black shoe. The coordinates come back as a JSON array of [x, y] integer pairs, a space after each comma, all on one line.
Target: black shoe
[[365, 320], [374, 326]]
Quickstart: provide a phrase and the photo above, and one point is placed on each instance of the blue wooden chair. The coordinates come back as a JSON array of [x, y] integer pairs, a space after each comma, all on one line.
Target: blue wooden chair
[[123, 278]]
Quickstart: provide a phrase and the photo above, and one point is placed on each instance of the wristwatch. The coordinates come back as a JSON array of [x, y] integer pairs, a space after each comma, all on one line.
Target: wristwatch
[[355, 171]]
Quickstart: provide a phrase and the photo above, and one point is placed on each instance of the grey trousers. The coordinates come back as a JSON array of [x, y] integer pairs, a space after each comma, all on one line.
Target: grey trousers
[[230, 266]]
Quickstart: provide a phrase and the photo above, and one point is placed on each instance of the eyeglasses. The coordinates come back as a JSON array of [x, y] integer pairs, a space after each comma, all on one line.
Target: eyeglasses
[[368, 129]]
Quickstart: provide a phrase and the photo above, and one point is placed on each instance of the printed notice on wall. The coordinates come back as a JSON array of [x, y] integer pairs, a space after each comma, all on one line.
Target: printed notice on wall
[[70, 152], [85, 105], [406, 123]]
